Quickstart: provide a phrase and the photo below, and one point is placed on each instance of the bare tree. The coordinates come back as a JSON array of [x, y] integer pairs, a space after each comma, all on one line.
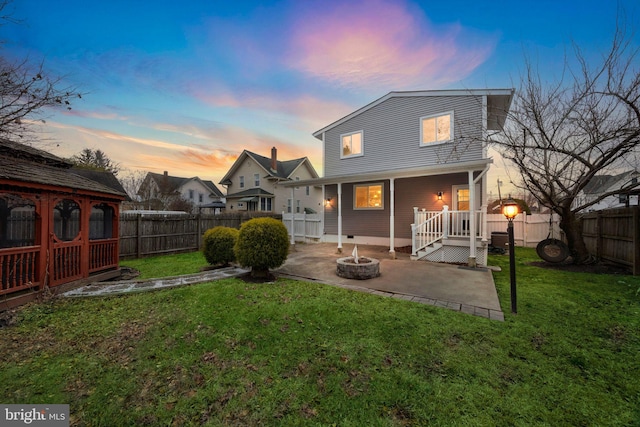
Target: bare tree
[[27, 91], [561, 135], [132, 183]]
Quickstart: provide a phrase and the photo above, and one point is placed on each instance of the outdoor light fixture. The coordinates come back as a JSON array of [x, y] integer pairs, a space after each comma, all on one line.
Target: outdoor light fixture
[[439, 195], [327, 202], [510, 211]]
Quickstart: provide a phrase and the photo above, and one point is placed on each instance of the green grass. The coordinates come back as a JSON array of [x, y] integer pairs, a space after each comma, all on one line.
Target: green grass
[[299, 353], [167, 265]]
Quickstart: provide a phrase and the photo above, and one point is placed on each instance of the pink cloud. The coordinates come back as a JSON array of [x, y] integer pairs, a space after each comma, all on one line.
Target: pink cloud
[[384, 43]]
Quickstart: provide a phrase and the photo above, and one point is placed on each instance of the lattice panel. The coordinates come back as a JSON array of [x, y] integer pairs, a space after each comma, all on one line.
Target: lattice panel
[[457, 255]]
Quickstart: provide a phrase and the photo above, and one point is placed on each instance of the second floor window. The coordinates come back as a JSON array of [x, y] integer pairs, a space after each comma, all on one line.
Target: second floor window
[[351, 144], [200, 198], [190, 194], [436, 129], [256, 180], [242, 181]]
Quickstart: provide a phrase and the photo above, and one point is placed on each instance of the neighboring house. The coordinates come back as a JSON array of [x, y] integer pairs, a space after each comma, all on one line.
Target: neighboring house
[[162, 192], [409, 168], [252, 184], [610, 191], [56, 225]]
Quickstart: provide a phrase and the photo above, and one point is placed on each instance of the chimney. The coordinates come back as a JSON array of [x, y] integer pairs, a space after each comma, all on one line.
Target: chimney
[[166, 174], [274, 159]]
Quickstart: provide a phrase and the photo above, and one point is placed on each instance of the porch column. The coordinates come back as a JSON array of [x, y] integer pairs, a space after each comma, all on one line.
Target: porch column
[[339, 217], [472, 220], [293, 220], [392, 220]]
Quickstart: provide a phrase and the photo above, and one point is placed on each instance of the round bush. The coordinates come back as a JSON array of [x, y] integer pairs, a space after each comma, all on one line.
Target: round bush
[[263, 243], [218, 245]]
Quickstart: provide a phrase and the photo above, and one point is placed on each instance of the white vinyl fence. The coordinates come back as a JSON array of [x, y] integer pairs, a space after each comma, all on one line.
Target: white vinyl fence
[[306, 227], [528, 230]]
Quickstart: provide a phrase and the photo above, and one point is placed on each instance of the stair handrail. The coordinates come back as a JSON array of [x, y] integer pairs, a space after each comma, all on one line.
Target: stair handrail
[[430, 230]]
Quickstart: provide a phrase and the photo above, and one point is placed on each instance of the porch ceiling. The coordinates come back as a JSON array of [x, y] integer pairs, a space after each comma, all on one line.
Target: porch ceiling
[[396, 173]]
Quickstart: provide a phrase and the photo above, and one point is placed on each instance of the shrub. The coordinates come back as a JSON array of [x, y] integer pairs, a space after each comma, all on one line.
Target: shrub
[[218, 245], [263, 243]]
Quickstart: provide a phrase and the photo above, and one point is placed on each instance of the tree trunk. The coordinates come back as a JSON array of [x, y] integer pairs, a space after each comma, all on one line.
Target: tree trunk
[[572, 227]]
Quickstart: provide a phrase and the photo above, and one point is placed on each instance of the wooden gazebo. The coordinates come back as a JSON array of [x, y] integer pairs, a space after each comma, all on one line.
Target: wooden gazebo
[[56, 226]]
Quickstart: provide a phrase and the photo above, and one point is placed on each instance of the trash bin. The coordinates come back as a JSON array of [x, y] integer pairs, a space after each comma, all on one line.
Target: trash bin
[[499, 239]]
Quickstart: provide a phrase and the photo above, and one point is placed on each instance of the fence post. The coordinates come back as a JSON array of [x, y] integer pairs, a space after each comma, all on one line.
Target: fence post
[[139, 236], [598, 235], [199, 232], [636, 241]]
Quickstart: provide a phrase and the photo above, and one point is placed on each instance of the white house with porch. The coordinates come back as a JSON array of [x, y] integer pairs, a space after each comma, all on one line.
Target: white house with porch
[[410, 169]]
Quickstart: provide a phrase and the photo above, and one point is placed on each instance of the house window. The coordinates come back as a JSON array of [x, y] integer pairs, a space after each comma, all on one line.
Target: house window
[[307, 190], [436, 129], [623, 198], [462, 199], [241, 181], [191, 194], [351, 144], [368, 196], [256, 180], [289, 203], [200, 198], [297, 206], [265, 204]]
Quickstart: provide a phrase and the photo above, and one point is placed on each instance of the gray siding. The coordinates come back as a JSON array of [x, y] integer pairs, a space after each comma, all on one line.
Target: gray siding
[[392, 135]]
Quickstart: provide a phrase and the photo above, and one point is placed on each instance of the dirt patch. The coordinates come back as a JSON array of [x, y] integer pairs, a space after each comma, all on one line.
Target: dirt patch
[[595, 268], [246, 277]]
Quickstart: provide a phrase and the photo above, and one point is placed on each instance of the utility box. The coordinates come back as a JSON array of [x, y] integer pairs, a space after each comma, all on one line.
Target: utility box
[[500, 239]]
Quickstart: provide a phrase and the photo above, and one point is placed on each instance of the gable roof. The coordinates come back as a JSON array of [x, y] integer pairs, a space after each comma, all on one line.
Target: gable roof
[[603, 183], [22, 163], [169, 184], [103, 177], [500, 100], [283, 171]]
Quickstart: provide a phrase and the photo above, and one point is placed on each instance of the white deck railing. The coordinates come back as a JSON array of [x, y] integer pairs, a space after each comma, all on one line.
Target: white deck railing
[[432, 226]]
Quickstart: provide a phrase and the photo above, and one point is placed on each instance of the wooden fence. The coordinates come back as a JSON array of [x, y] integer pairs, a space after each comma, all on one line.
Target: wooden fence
[[144, 234], [614, 235]]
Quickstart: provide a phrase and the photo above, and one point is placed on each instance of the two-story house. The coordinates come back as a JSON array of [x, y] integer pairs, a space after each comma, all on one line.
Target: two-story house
[[160, 191], [610, 191], [252, 180], [409, 169]]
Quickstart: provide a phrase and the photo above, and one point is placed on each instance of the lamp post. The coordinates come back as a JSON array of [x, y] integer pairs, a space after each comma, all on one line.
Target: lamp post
[[510, 210]]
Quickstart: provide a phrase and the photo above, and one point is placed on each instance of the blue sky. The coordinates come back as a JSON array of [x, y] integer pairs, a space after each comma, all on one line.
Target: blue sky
[[186, 86]]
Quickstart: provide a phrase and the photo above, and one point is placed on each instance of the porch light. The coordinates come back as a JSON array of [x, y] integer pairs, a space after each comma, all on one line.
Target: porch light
[[510, 211], [327, 202], [439, 195]]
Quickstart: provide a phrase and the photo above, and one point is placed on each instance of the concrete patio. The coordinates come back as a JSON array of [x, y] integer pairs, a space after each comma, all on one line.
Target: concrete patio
[[450, 286]]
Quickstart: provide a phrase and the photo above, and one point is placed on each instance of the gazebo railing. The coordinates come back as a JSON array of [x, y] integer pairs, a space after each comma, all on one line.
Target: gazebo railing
[[19, 269]]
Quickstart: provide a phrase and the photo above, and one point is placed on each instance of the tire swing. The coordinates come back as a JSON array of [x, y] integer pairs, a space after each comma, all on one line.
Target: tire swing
[[552, 249]]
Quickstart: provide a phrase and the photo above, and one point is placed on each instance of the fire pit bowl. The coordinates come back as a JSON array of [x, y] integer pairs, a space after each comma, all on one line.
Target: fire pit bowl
[[366, 268]]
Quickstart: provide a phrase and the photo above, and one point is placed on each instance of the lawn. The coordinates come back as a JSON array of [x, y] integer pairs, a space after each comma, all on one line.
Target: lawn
[[300, 353]]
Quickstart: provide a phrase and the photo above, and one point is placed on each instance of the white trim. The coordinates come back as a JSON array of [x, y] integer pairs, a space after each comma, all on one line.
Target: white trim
[[368, 208], [436, 116], [348, 156], [438, 169]]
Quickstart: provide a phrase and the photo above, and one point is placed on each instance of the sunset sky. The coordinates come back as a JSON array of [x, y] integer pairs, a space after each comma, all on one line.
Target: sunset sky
[[186, 86]]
